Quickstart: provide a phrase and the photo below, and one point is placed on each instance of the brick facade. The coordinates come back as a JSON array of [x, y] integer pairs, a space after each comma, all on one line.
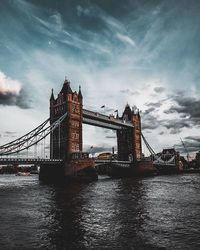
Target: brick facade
[[129, 140], [68, 137]]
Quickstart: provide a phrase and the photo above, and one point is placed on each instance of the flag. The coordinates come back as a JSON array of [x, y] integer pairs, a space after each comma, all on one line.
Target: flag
[[103, 106], [116, 110]]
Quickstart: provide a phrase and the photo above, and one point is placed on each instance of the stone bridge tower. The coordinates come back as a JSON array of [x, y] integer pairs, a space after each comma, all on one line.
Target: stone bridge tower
[[129, 140], [68, 137]]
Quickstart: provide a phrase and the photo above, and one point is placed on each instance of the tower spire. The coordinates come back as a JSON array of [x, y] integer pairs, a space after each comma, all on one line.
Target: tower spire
[[66, 89], [80, 97], [52, 96], [79, 92]]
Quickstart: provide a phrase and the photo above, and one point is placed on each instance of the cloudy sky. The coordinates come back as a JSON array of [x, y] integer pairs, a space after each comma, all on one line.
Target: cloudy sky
[[142, 52]]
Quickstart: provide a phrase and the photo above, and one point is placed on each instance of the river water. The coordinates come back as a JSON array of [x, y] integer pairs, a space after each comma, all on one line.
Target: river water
[[161, 212]]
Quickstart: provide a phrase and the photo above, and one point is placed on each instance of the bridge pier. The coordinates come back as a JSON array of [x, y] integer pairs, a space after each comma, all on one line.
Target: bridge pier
[[59, 173], [51, 173]]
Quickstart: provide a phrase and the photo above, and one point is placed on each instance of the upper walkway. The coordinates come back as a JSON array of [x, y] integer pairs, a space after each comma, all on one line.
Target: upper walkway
[[104, 121]]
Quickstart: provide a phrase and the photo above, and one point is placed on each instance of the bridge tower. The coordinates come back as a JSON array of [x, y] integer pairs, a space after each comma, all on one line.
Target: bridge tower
[[67, 138], [129, 140]]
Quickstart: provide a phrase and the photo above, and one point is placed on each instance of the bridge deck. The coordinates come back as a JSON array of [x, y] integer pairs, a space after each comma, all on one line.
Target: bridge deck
[[100, 120], [26, 161], [124, 164]]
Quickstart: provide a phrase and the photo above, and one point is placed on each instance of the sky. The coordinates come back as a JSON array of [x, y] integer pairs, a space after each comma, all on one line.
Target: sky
[[142, 52]]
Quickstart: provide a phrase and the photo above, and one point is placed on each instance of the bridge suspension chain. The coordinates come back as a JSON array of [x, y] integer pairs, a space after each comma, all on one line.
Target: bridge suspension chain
[[31, 138], [152, 152], [26, 136], [157, 159]]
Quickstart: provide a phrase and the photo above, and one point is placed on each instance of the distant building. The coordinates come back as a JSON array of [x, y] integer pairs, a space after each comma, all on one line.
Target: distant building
[[198, 159]]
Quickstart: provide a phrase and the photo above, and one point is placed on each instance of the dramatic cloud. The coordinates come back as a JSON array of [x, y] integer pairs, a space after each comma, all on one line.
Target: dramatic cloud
[[150, 121], [188, 106], [159, 89], [150, 110], [154, 104], [193, 138], [145, 53], [129, 92], [191, 144], [175, 115], [8, 85], [98, 149], [125, 39], [11, 92], [175, 124]]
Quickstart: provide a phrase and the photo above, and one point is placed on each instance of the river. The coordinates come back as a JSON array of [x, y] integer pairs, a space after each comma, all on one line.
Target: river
[[161, 212]]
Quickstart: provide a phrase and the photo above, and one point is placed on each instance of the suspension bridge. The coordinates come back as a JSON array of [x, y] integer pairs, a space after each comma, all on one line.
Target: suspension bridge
[[64, 127]]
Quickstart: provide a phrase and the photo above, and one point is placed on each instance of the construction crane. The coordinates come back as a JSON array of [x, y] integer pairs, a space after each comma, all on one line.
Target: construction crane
[[188, 156]]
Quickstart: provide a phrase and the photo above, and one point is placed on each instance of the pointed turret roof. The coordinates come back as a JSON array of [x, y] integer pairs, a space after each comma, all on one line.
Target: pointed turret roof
[[66, 89], [79, 92], [52, 96], [127, 111]]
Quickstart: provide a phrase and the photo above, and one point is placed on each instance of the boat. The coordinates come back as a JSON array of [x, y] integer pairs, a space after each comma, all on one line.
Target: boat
[[23, 174]]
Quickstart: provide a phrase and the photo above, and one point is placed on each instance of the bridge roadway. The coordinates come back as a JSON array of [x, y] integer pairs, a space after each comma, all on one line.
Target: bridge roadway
[[125, 164], [104, 121], [26, 161]]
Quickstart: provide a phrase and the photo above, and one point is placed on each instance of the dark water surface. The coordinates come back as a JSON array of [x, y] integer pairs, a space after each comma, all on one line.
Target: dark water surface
[[161, 212]]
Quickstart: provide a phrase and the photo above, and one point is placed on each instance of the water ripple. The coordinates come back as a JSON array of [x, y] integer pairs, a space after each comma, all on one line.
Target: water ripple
[[161, 212]]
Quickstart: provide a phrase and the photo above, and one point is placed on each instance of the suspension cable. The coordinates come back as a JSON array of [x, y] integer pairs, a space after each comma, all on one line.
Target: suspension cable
[[24, 137], [33, 139], [152, 152]]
